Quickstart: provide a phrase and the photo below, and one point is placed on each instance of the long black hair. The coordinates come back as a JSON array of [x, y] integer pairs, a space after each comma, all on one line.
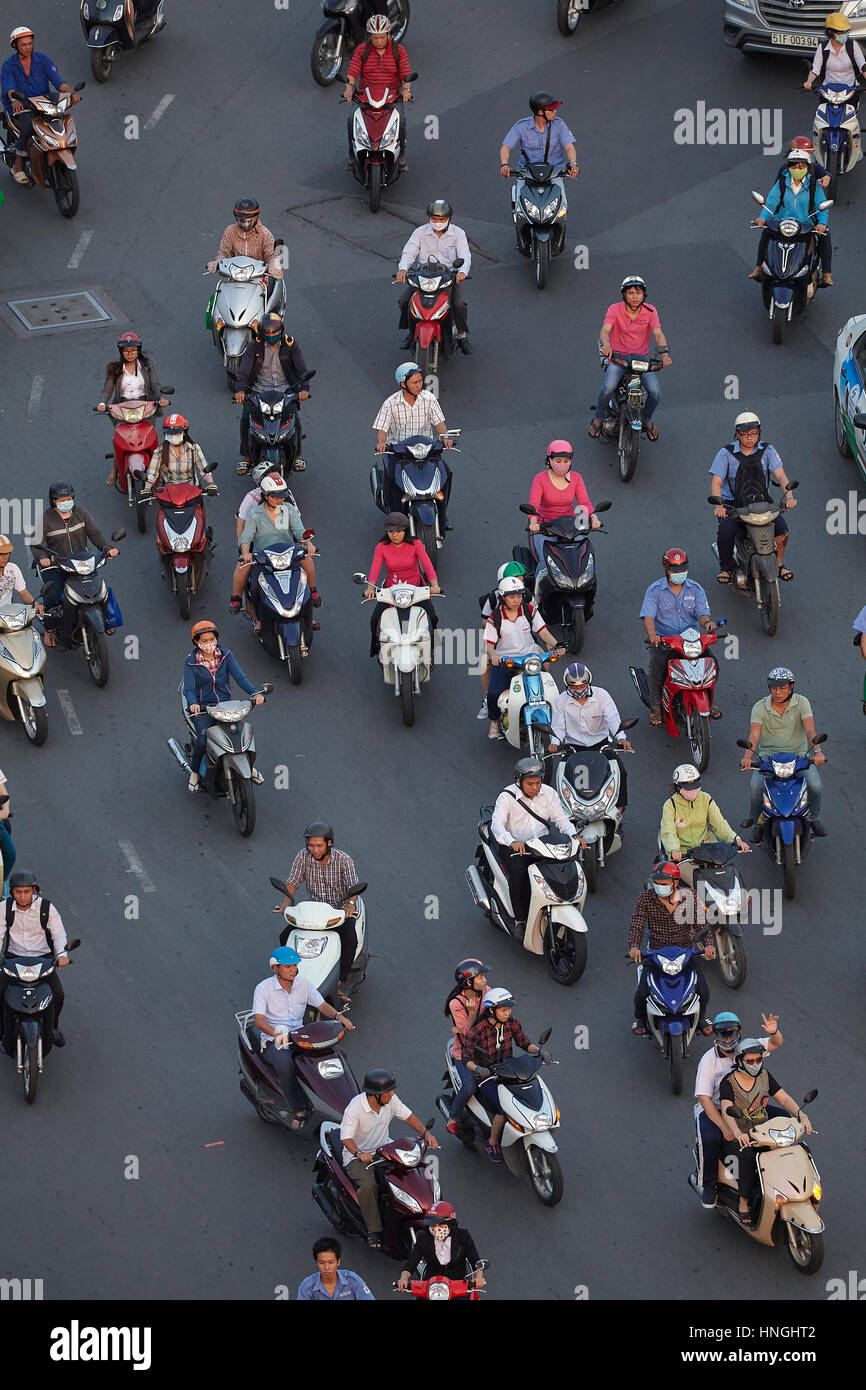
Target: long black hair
[[115, 368], [458, 989]]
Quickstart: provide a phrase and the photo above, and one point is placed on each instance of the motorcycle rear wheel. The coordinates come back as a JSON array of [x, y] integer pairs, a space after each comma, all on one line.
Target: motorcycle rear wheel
[[100, 64], [30, 1074], [568, 15], [732, 958], [375, 173], [35, 723], [806, 1249], [244, 807], [628, 446], [566, 957], [97, 661], [66, 192], [326, 57], [398, 13], [547, 1183]]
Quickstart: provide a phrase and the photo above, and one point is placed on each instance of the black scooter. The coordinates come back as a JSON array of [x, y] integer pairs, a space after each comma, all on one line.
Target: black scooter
[[115, 29], [80, 620], [539, 217], [789, 275], [28, 1015], [565, 579], [275, 429], [623, 419], [342, 29]]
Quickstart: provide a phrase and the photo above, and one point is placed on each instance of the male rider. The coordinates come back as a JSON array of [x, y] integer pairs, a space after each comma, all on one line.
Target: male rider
[[524, 810], [543, 138], [724, 469], [247, 236], [328, 873], [782, 722], [410, 410], [586, 717], [670, 606], [379, 63], [626, 330], [270, 362], [66, 529], [713, 1067], [491, 1041], [31, 74], [668, 912], [12, 581], [364, 1129], [439, 239], [21, 922]]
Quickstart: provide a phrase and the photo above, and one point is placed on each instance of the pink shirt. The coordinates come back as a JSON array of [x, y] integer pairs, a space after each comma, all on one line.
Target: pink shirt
[[628, 334], [401, 564], [550, 501], [464, 1021]]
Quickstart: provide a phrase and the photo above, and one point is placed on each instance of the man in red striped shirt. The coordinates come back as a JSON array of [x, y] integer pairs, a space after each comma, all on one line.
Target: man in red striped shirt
[[380, 62]]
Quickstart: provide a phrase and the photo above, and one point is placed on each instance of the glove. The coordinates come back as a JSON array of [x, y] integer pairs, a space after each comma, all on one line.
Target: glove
[[546, 1057], [481, 1073]]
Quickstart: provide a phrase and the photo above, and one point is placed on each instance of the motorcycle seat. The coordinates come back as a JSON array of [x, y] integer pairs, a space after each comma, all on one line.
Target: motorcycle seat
[[588, 771], [254, 1034], [485, 815], [334, 1144]]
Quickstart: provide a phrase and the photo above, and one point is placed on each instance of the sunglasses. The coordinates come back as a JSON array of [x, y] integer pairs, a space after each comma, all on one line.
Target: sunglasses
[[751, 1061], [727, 1032]]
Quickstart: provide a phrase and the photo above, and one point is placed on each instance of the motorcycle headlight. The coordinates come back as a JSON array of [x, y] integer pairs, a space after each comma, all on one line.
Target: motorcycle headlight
[[403, 1198], [241, 272], [673, 967], [784, 1137], [428, 284], [551, 210], [692, 650], [410, 1158], [437, 1291], [403, 597], [541, 1122], [29, 972], [419, 451], [360, 132], [789, 227], [310, 946], [557, 573], [783, 769], [532, 666], [530, 207], [588, 574]]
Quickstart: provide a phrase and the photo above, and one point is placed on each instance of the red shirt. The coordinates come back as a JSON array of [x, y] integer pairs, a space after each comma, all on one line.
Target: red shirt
[[550, 501], [629, 334], [380, 70], [401, 564]]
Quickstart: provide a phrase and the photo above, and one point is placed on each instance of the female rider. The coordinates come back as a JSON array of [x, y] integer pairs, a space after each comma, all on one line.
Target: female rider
[[690, 818], [511, 631], [207, 675], [462, 1007], [405, 562], [743, 1099], [558, 492], [132, 378]]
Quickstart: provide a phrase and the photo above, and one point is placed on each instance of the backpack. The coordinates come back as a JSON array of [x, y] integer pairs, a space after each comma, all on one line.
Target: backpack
[[44, 909], [781, 186], [496, 612], [367, 50], [849, 49], [749, 483]]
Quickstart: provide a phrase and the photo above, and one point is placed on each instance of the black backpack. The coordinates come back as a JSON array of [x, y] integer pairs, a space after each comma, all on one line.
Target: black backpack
[[781, 186], [44, 909], [496, 611], [749, 484], [849, 49]]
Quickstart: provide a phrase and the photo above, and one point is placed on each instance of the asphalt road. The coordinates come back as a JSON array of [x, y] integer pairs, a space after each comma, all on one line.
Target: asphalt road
[[149, 1070]]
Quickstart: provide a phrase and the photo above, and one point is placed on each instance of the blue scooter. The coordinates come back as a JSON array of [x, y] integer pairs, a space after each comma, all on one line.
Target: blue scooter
[[836, 130], [526, 704], [422, 482], [281, 596], [786, 822], [789, 275], [673, 1008]]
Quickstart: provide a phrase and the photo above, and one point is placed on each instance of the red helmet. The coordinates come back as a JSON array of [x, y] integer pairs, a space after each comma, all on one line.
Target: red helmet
[[439, 1214], [804, 143], [128, 340], [674, 556], [175, 422], [666, 872]]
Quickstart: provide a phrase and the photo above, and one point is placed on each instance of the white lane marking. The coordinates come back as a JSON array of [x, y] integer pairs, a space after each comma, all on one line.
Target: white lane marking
[[69, 711], [78, 254], [35, 396], [136, 867], [159, 112]]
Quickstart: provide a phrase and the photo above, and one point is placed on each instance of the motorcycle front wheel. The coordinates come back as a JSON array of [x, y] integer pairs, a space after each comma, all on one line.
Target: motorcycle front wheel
[[576, 630], [66, 194], [777, 326], [568, 14], [591, 867], [565, 955], [326, 57], [407, 700], [183, 601], [35, 722], [546, 1178], [375, 173], [770, 601], [699, 742], [731, 955], [140, 514], [424, 358], [295, 663], [789, 868], [30, 1074], [244, 807], [677, 1047], [97, 660], [627, 448], [100, 63], [806, 1249], [541, 256]]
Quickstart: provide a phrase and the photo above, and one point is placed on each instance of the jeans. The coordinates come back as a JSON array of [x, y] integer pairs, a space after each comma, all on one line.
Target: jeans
[[53, 581], [459, 307], [8, 852], [729, 528], [201, 724], [466, 1092], [640, 994], [613, 375], [281, 1061], [24, 122], [500, 678], [813, 785], [488, 1094]]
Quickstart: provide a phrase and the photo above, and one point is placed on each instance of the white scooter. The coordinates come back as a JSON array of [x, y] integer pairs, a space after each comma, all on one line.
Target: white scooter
[[532, 1116], [525, 707], [555, 927], [405, 641], [836, 131], [588, 783], [311, 931], [238, 305]]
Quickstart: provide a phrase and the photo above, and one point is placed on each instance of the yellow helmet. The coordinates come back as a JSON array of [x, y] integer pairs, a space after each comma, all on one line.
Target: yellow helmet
[[838, 23], [6, 546]]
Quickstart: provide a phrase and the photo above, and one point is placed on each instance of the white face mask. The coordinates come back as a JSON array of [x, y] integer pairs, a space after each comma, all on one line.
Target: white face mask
[[663, 890], [752, 1068], [173, 437], [439, 226], [678, 576], [64, 507]]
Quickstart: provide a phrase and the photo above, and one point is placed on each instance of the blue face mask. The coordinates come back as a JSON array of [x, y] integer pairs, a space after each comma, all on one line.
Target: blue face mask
[[663, 890], [678, 576], [64, 507]]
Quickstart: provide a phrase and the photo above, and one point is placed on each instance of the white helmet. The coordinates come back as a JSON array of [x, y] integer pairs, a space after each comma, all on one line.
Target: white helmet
[[496, 999], [378, 24], [273, 487], [747, 421], [510, 585], [686, 775], [577, 676], [22, 32]]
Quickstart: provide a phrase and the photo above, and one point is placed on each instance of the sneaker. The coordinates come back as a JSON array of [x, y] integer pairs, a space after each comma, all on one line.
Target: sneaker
[[452, 1127], [494, 1153], [708, 1198], [243, 466], [482, 713], [235, 604], [299, 464], [494, 733], [20, 177], [464, 344], [826, 282]]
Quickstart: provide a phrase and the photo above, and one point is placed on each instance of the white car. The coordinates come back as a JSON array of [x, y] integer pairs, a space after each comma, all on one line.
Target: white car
[[849, 391]]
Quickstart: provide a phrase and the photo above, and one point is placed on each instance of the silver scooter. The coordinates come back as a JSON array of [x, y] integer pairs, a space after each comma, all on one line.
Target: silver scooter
[[238, 305], [230, 753], [22, 663]]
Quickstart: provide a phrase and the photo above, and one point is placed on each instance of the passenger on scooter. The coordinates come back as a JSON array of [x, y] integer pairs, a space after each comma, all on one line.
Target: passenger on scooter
[[669, 913], [247, 236], [410, 410], [133, 377], [510, 631], [462, 1007], [65, 530], [523, 811], [671, 606], [271, 361], [626, 330], [713, 1067], [207, 675], [178, 459], [446, 1249], [279, 1004], [587, 717], [690, 818], [379, 63], [439, 239], [328, 874], [12, 581], [31, 926], [492, 1041], [275, 521], [795, 195], [750, 449], [783, 723], [744, 1093], [488, 603], [405, 561], [32, 75], [840, 59], [364, 1129], [544, 138], [558, 492], [807, 145]]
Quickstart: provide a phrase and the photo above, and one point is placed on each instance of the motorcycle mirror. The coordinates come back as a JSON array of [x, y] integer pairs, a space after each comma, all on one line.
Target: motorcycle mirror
[[352, 892], [279, 885], [308, 376], [212, 467], [741, 743], [413, 77], [715, 501], [430, 1123], [860, 420], [545, 1035], [758, 198], [820, 738], [458, 263], [279, 242], [266, 689], [79, 86], [604, 506], [76, 942], [308, 534], [527, 509], [827, 203], [118, 535], [809, 1097], [359, 579]]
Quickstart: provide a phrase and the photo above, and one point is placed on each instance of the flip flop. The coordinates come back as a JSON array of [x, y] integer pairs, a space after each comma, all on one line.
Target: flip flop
[[48, 639], [785, 574], [655, 716], [638, 1029], [723, 577], [715, 712], [595, 429], [651, 432]]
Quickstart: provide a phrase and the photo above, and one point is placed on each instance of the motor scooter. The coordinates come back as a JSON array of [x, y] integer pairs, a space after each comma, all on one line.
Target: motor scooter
[[688, 690], [405, 641], [311, 931], [623, 419], [245, 293], [107, 36], [321, 1066], [22, 668], [431, 322], [342, 29], [785, 817], [275, 429], [722, 902], [565, 577], [82, 619], [284, 604], [375, 143], [184, 542], [673, 1007], [525, 707], [27, 1024], [421, 480], [51, 149], [226, 770], [588, 783], [836, 131], [756, 565], [135, 442], [538, 216], [789, 275]]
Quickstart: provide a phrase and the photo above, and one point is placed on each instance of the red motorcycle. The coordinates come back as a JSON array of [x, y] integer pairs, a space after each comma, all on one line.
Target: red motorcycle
[[688, 691], [134, 441], [184, 542], [431, 322], [375, 140], [439, 1288]]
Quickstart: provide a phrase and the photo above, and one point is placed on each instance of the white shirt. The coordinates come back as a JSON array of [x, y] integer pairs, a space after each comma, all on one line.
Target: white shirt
[[584, 721], [284, 1008], [369, 1128], [838, 67], [11, 582], [26, 937], [132, 386], [515, 638], [424, 244], [512, 822], [443, 1250], [711, 1072]]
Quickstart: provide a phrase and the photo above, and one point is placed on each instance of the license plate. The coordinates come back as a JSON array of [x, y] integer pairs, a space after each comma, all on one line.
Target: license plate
[[795, 40]]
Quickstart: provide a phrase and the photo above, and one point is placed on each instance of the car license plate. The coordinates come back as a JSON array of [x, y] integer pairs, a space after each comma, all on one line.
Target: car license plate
[[795, 40]]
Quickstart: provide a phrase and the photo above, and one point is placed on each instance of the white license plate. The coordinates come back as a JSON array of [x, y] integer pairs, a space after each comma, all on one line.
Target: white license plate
[[795, 40]]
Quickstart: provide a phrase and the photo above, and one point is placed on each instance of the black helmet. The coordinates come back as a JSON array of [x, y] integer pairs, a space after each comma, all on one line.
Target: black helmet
[[440, 207], [528, 767], [541, 101], [396, 521], [466, 971], [379, 1080], [22, 878], [318, 828], [60, 490], [246, 207]]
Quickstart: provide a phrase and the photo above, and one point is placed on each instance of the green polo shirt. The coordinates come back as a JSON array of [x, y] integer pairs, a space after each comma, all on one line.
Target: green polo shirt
[[782, 733]]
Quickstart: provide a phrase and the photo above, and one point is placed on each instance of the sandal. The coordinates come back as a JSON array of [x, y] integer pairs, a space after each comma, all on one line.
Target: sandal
[[785, 574], [48, 638], [257, 627], [193, 783], [655, 716], [494, 1153], [594, 429], [723, 577], [346, 998], [374, 1240], [651, 432], [300, 1120], [715, 712], [638, 1029]]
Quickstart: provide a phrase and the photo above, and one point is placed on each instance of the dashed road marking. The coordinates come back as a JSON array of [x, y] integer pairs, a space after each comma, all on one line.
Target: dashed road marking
[[78, 254], [69, 712], [159, 112], [136, 867]]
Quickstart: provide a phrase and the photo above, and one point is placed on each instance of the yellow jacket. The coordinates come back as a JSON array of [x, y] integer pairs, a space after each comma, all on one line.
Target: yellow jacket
[[686, 824]]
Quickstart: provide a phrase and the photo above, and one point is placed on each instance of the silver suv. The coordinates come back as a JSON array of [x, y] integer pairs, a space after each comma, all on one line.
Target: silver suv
[[792, 27]]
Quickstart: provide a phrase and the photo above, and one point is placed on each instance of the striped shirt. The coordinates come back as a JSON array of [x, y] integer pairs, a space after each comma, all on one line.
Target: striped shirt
[[400, 421], [326, 882]]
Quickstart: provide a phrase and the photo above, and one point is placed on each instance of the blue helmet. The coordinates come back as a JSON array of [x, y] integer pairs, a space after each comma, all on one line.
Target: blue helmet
[[284, 955], [405, 370], [726, 1032]]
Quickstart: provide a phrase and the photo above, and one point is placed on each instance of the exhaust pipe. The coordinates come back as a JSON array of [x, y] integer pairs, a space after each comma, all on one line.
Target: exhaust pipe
[[176, 750], [477, 889]]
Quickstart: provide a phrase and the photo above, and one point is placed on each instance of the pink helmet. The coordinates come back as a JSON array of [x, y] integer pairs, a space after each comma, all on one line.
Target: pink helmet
[[557, 447]]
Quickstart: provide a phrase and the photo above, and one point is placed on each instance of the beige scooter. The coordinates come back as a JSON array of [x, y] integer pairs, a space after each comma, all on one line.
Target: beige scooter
[[22, 663], [790, 1191]]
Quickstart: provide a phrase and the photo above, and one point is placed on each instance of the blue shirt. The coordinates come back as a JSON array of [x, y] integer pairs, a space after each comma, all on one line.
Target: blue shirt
[[43, 75], [673, 613], [860, 621], [794, 204], [532, 141], [349, 1285], [727, 462]]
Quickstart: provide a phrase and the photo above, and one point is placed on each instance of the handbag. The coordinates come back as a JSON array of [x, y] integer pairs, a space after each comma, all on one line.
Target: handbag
[[113, 615]]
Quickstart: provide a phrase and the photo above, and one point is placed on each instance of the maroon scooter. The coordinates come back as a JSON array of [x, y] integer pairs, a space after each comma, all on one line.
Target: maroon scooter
[[321, 1067]]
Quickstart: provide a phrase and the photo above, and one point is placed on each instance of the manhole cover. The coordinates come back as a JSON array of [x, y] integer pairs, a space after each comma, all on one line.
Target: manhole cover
[[59, 310]]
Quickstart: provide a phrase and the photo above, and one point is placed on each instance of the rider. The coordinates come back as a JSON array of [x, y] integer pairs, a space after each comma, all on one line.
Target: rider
[[671, 606], [558, 492], [364, 1129], [510, 631], [744, 1094], [279, 1003], [30, 74], [712, 1068], [405, 562], [521, 810], [544, 138], [272, 361], [8, 852], [462, 1007], [446, 1249], [491, 1042], [379, 63], [840, 59], [626, 331], [207, 674], [66, 529], [588, 718], [133, 377], [409, 411], [690, 818], [782, 722], [725, 470], [796, 196], [275, 521], [331, 1281], [178, 459], [31, 926], [328, 873], [247, 236], [439, 240], [12, 580], [668, 912]]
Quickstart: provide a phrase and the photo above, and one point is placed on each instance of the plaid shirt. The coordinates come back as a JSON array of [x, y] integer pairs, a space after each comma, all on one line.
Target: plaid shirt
[[675, 928], [181, 462], [491, 1042], [211, 662], [400, 421], [326, 883]]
